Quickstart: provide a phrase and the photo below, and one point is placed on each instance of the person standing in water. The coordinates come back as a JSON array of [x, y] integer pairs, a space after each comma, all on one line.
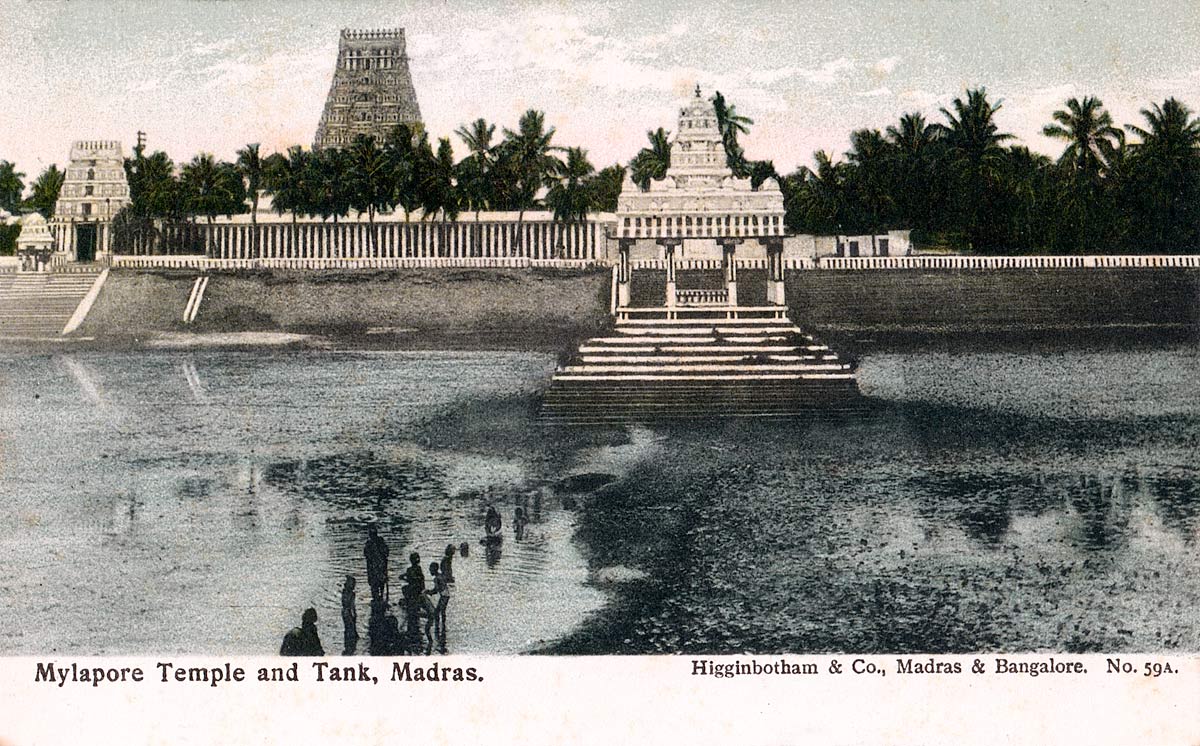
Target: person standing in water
[[303, 640], [441, 588], [519, 522], [447, 565], [349, 616], [492, 523], [376, 553]]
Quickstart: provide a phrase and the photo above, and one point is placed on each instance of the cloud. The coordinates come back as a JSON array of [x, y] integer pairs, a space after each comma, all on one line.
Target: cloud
[[828, 73], [921, 99], [875, 92], [885, 66]]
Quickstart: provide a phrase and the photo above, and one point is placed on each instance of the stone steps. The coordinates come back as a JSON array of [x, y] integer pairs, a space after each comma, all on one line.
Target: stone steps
[[666, 369], [38, 306]]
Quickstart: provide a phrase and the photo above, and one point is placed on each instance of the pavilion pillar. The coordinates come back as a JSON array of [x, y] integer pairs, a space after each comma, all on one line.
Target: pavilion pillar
[[624, 272], [669, 245], [729, 264], [776, 294]]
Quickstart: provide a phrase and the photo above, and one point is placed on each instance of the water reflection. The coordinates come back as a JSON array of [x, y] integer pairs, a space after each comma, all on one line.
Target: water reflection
[[989, 509]]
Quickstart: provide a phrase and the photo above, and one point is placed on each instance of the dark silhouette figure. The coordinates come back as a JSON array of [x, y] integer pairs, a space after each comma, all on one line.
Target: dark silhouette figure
[[447, 565], [519, 521], [375, 628], [349, 617], [303, 640], [393, 641], [415, 600], [384, 631], [464, 549], [492, 523], [376, 552], [428, 610], [491, 553], [414, 576], [441, 589]]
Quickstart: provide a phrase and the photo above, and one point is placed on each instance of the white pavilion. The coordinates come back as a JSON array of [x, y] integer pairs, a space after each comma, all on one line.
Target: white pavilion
[[700, 200]]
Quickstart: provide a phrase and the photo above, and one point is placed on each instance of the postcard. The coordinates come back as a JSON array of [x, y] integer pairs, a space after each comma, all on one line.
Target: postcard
[[600, 372]]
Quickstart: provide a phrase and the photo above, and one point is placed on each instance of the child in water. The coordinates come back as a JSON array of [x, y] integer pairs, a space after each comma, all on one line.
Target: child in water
[[441, 589], [349, 616]]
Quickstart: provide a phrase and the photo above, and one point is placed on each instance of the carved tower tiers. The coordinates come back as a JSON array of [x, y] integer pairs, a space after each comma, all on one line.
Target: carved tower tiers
[[94, 190], [372, 90]]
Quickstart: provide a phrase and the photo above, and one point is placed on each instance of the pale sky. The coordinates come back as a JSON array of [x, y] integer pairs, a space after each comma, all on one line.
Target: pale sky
[[213, 76]]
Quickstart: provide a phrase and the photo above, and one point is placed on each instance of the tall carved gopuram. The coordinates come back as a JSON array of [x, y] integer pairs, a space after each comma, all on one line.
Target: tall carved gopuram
[[372, 89]]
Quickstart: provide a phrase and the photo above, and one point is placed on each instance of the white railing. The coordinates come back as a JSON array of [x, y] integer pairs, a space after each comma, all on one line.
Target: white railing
[[701, 297], [535, 237], [628, 313], [1006, 262], [203, 263]]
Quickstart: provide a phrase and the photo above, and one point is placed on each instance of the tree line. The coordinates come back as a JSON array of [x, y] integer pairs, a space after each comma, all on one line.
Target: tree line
[[963, 184], [958, 183], [520, 170]]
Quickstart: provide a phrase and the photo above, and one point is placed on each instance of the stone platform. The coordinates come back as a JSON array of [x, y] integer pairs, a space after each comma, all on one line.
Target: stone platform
[[699, 363]]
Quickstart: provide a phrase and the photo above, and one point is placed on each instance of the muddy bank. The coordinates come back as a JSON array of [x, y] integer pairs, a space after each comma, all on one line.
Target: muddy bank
[[412, 309], [933, 302]]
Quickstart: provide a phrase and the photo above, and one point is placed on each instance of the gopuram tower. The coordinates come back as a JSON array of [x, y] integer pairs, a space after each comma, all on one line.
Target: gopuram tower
[[372, 89]]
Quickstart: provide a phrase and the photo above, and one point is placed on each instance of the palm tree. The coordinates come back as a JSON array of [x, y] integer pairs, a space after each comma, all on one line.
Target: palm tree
[[651, 163], [133, 231], [153, 188], [1165, 178], [604, 188], [731, 124], [288, 182], [813, 199], [45, 191], [403, 151], [476, 173], [371, 180], [973, 142], [437, 188], [568, 195], [916, 179], [212, 189], [250, 165], [530, 161], [476, 170], [330, 183], [1029, 183], [1090, 134], [870, 182], [11, 186]]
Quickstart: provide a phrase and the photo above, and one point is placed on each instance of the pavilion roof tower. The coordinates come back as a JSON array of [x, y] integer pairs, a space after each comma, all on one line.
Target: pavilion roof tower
[[699, 197]]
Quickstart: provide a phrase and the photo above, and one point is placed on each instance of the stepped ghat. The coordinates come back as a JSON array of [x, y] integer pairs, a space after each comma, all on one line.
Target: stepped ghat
[[702, 353]]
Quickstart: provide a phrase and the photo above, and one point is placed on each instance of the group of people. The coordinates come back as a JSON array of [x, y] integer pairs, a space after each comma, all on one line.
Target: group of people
[[420, 599]]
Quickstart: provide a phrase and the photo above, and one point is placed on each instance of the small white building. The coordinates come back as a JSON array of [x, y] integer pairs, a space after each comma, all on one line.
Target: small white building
[[35, 243], [805, 246]]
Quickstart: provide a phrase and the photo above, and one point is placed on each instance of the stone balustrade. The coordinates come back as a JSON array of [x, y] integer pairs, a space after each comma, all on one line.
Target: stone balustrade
[[701, 297], [205, 263]]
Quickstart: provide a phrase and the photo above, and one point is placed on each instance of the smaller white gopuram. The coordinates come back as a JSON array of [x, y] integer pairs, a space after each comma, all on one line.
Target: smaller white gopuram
[[701, 199], [93, 191]]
